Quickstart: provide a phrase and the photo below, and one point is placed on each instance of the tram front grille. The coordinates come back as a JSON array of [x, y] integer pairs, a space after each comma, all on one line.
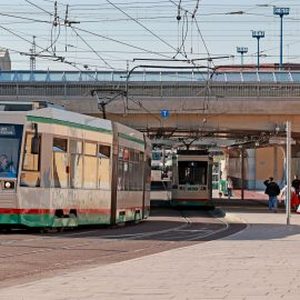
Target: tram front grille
[[8, 199]]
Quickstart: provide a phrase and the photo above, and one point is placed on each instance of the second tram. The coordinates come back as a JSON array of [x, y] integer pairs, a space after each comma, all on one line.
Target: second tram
[[192, 179]]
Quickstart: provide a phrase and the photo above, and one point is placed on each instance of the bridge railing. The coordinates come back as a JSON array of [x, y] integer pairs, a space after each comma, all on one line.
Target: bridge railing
[[148, 76]]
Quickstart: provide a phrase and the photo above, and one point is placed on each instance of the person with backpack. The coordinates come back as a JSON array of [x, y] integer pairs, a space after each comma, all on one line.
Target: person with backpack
[[272, 190]]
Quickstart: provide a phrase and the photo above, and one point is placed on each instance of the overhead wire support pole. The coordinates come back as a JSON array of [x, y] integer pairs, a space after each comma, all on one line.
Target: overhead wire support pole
[[288, 171]]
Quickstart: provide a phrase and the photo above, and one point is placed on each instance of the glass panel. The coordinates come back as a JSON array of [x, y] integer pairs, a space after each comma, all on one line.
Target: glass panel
[[60, 145], [132, 172], [31, 179], [40, 76], [249, 76], [24, 76], [236, 77], [72, 76], [266, 76], [188, 76], [90, 148], [103, 173], [200, 76], [121, 179], [282, 76], [104, 151], [60, 170], [156, 155], [126, 174], [218, 77], [30, 175], [120, 153], [138, 76], [56, 76], [90, 172], [155, 76], [125, 154], [296, 76], [115, 76], [89, 76], [6, 76], [75, 146], [30, 161], [192, 172], [10, 143], [76, 170]]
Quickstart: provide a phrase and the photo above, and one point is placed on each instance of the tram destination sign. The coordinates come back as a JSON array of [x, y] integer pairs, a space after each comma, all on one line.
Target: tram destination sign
[[7, 130]]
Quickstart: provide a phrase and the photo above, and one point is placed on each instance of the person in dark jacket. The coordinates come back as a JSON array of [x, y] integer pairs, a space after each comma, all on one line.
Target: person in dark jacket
[[272, 190], [296, 184]]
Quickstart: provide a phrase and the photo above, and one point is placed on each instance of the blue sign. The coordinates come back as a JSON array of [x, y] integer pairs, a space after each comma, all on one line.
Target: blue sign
[[164, 113]]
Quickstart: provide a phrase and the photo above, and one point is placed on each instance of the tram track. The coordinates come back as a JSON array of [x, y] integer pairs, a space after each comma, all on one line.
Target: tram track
[[26, 257]]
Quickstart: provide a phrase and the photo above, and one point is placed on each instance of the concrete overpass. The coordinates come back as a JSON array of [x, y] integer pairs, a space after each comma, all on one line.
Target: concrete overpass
[[230, 104]]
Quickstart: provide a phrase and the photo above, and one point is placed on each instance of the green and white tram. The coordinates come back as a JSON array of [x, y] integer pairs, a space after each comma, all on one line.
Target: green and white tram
[[59, 168], [192, 179]]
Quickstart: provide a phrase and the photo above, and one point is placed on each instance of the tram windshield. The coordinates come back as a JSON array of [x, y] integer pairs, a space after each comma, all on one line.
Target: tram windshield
[[192, 172], [10, 143]]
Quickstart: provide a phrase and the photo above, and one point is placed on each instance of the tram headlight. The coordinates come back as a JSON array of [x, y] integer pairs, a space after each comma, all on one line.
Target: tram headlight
[[8, 185]]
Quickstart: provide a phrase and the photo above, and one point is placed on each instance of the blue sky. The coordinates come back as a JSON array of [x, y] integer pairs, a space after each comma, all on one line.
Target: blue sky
[[112, 33]]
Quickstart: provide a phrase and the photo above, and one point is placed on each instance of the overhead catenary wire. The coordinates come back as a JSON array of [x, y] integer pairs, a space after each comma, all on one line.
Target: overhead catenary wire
[[142, 25], [122, 43], [94, 51], [39, 7]]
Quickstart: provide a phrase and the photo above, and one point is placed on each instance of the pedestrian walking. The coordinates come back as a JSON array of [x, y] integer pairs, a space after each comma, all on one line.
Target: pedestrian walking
[[272, 190], [229, 187]]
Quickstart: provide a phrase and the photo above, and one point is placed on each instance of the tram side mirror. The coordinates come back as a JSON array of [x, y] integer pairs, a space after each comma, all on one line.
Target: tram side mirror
[[35, 141], [35, 145]]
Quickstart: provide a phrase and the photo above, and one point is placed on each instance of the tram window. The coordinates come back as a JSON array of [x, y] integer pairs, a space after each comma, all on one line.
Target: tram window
[[126, 154], [60, 163], [75, 146], [120, 156], [121, 179], [192, 172], [90, 149], [104, 151], [156, 155], [76, 171], [60, 170], [60, 145], [103, 176], [30, 161], [30, 175], [90, 172], [103, 173], [126, 175]]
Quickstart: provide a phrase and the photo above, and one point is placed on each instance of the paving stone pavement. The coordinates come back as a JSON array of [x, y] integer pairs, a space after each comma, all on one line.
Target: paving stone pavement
[[261, 262]]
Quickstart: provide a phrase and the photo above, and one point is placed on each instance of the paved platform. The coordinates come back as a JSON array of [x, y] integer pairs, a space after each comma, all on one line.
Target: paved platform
[[261, 262]]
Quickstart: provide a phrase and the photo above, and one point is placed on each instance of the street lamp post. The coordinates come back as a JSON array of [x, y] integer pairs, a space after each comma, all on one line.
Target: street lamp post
[[258, 35], [242, 51], [281, 11]]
